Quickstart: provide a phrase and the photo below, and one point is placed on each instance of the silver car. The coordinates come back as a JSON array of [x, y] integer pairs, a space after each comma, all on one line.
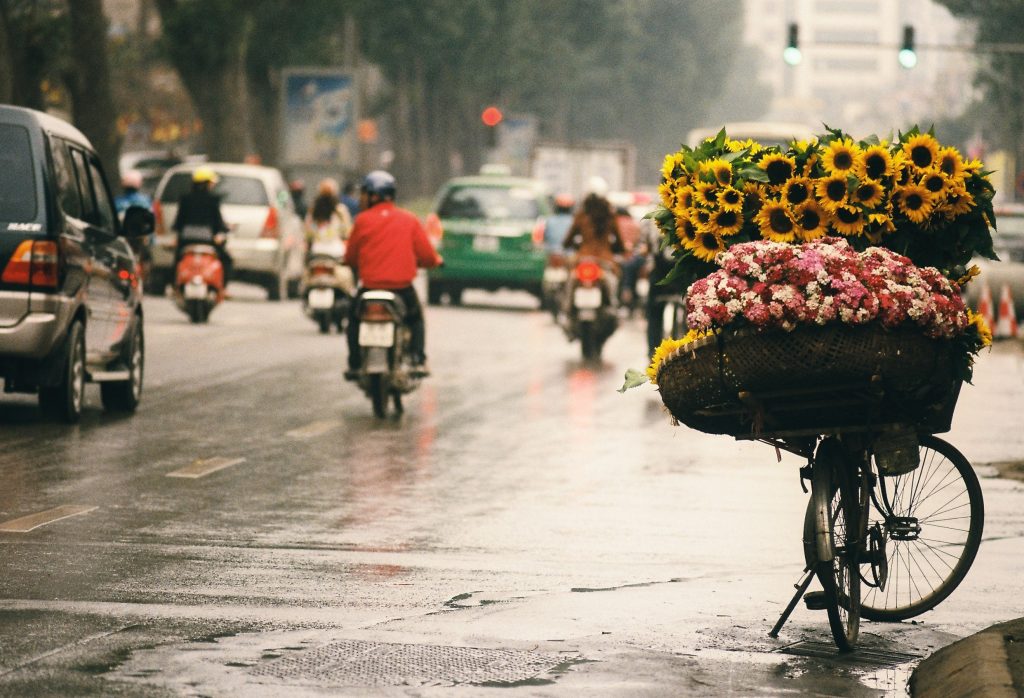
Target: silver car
[[265, 242]]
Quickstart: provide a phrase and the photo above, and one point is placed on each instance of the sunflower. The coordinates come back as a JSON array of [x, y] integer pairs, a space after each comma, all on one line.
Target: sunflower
[[725, 222], [753, 198], [686, 231], [705, 194], [951, 163], [668, 167], [750, 145], [901, 168], [778, 166], [958, 202], [935, 181], [922, 150], [868, 193], [667, 195], [811, 220], [876, 163], [797, 190], [831, 191], [880, 223], [730, 199], [707, 245], [720, 169], [915, 202], [775, 222], [701, 217], [842, 157], [684, 196], [848, 220], [977, 321]]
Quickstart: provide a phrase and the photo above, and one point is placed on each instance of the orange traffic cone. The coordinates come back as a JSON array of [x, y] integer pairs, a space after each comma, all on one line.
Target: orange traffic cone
[[1006, 323], [985, 309]]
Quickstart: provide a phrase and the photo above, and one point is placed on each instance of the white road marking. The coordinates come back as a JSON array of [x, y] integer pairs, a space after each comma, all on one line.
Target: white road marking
[[205, 466], [34, 521], [315, 429]]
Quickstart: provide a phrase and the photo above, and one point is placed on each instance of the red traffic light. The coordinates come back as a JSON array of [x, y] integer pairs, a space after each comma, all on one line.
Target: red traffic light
[[491, 116]]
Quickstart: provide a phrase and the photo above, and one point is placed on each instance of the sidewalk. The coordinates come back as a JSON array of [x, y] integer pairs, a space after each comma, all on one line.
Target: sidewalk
[[988, 664]]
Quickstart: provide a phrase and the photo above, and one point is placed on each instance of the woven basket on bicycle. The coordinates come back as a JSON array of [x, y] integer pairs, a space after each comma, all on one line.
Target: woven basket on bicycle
[[813, 378]]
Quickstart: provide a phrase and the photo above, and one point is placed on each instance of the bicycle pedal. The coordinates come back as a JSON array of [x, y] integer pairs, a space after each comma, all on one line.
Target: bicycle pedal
[[815, 600]]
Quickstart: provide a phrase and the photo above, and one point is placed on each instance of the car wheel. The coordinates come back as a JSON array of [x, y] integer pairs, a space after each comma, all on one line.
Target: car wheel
[[277, 288], [124, 396], [64, 400], [293, 288], [434, 293]]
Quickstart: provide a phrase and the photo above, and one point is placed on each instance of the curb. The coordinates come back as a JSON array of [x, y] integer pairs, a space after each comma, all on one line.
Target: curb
[[979, 665]]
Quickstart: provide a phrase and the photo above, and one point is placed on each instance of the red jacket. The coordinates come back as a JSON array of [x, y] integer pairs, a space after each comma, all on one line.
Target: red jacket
[[386, 245]]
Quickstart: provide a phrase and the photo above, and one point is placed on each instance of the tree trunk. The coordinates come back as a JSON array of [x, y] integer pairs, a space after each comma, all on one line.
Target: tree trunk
[[404, 140], [92, 100], [6, 71]]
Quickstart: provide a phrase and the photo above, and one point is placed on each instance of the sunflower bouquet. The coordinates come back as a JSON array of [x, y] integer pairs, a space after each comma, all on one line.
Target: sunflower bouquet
[[827, 232]]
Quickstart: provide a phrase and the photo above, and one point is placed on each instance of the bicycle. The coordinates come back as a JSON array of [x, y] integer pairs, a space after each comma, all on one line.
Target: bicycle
[[887, 540]]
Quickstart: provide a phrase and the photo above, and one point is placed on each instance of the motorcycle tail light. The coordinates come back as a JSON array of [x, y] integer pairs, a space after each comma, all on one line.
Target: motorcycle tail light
[[271, 228], [34, 263], [318, 269], [538, 233], [588, 272], [376, 312]]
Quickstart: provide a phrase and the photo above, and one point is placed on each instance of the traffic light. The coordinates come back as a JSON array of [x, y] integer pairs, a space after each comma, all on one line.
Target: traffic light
[[792, 54], [492, 116], [907, 55]]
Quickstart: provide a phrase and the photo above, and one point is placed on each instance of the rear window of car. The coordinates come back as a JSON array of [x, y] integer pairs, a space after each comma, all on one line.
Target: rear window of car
[[232, 189], [17, 176], [489, 203]]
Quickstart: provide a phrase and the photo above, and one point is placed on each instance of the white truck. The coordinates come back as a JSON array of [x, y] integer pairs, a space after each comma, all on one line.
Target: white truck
[[571, 167]]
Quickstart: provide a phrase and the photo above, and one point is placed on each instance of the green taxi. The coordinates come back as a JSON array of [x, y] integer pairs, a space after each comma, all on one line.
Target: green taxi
[[490, 231]]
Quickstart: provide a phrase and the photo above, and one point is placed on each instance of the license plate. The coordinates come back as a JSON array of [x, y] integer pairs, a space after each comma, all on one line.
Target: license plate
[[321, 298], [486, 243], [588, 298], [556, 275], [195, 291], [376, 334]]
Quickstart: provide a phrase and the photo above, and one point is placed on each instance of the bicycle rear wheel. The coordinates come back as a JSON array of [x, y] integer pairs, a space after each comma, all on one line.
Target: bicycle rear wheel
[[930, 535], [836, 514]]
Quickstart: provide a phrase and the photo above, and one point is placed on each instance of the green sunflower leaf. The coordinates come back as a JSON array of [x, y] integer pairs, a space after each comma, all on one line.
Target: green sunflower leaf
[[634, 379]]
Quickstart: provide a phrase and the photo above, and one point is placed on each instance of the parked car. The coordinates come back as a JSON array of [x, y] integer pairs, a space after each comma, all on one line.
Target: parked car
[[70, 303], [151, 164], [265, 242], [491, 231], [1008, 242]]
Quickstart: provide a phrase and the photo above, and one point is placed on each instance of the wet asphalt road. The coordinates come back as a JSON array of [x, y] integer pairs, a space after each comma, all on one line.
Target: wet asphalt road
[[522, 519]]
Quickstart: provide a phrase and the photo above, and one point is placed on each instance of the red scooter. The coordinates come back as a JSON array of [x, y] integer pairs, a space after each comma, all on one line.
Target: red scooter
[[199, 281]]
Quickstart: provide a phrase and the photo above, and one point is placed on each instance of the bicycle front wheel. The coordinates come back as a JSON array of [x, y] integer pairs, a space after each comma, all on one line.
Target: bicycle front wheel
[[931, 520], [836, 514]]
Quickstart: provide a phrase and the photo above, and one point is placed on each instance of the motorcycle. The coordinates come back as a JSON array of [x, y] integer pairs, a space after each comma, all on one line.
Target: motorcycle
[[384, 339], [199, 281], [591, 313], [327, 286], [556, 275]]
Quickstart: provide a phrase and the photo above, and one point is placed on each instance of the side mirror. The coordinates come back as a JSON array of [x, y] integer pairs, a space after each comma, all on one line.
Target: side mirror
[[139, 222]]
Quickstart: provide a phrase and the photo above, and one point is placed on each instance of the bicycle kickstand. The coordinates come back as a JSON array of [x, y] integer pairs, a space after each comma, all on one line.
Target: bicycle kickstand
[[800, 587]]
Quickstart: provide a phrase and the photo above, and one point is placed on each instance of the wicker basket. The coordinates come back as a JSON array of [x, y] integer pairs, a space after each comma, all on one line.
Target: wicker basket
[[813, 379]]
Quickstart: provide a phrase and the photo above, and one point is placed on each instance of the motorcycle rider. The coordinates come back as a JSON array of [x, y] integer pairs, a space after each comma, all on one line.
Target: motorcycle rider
[[131, 194], [199, 218], [327, 222], [595, 233], [386, 246]]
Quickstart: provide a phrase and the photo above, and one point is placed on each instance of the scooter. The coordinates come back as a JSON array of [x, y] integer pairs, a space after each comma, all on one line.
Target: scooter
[[384, 339], [199, 281], [591, 312], [327, 287]]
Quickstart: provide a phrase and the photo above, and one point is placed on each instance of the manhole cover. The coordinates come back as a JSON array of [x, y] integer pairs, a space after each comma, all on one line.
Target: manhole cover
[[358, 663], [861, 655]]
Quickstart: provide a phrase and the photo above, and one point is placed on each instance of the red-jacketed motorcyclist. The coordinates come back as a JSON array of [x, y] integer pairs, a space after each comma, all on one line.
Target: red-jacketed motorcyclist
[[385, 248]]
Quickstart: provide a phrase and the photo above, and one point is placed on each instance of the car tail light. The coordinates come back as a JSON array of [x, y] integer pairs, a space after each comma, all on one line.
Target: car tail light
[[538, 233], [376, 312], [34, 263], [435, 231], [158, 214], [588, 272], [270, 226]]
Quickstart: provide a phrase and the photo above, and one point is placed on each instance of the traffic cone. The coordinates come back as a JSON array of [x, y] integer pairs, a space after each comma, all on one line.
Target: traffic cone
[[1006, 323], [985, 309]]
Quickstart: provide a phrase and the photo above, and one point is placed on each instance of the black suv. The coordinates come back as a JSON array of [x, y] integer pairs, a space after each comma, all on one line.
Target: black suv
[[70, 302]]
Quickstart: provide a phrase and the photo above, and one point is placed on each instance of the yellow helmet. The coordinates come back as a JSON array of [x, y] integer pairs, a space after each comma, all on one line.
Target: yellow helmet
[[204, 174]]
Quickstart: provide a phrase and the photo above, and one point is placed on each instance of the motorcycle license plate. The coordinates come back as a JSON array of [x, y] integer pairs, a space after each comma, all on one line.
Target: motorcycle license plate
[[376, 334], [321, 298], [194, 291], [587, 298]]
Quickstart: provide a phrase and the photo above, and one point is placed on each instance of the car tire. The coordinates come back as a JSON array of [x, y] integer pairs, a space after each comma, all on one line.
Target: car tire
[[124, 396], [64, 400], [293, 288], [434, 293], [277, 288]]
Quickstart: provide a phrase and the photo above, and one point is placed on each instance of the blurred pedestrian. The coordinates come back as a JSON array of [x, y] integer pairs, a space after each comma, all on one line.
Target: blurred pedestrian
[[349, 199], [297, 188]]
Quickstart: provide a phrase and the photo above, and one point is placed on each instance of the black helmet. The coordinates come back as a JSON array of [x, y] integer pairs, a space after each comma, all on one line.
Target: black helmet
[[380, 183]]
